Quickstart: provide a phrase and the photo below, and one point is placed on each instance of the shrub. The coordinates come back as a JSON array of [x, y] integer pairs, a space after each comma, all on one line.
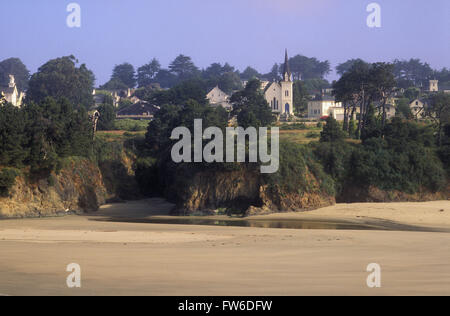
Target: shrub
[[7, 180]]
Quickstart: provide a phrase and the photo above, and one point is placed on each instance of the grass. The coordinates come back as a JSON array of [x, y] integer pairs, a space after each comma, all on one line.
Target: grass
[[300, 136], [118, 136]]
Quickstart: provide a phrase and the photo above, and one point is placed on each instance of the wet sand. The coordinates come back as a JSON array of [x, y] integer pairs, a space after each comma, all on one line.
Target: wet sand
[[119, 257]]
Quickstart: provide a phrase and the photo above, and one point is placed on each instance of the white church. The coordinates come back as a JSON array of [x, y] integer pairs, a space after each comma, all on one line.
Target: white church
[[280, 94]]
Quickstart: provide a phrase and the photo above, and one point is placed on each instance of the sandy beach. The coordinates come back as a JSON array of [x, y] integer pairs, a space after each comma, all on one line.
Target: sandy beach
[[119, 254]]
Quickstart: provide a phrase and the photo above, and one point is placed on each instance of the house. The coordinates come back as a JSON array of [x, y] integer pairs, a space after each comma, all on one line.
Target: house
[[217, 97], [325, 106], [280, 94], [418, 108], [138, 111], [11, 94]]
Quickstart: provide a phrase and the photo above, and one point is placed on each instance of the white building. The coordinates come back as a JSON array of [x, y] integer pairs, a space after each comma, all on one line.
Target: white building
[[11, 94], [280, 94], [217, 97], [327, 106]]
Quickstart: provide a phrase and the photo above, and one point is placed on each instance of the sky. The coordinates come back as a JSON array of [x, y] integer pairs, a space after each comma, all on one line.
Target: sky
[[241, 32]]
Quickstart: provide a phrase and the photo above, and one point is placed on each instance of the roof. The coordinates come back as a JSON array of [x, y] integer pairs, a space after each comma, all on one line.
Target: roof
[[286, 68], [139, 109]]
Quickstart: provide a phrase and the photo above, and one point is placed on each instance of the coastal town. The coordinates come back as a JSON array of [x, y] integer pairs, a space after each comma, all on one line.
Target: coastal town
[[240, 148]]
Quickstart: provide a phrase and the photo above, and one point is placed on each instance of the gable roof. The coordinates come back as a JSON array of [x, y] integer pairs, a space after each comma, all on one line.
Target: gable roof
[[270, 85], [139, 109]]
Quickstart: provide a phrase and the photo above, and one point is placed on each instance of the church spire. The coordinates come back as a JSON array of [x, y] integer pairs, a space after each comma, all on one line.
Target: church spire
[[286, 68]]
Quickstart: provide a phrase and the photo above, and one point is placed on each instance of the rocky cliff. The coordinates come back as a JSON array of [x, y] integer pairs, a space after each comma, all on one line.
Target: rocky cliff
[[245, 192], [78, 187]]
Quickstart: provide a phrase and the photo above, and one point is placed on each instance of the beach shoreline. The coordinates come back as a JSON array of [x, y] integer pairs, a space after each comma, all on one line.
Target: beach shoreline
[[130, 258]]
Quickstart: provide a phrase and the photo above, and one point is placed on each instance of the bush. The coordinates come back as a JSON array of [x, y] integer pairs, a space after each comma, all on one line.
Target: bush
[[332, 131], [131, 125], [7, 180], [295, 126], [312, 135], [295, 162]]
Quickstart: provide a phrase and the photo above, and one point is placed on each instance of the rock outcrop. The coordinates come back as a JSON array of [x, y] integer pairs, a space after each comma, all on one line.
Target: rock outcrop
[[246, 192], [78, 187]]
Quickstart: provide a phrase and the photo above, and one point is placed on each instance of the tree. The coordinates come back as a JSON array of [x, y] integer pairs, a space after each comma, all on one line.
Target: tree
[[332, 132], [166, 79], [15, 67], [114, 84], [412, 73], [124, 73], [225, 77], [403, 108], [183, 68], [372, 126], [146, 74], [60, 78], [438, 110], [363, 85], [274, 74], [341, 69], [301, 98], [251, 107], [107, 117], [12, 136], [250, 73], [229, 82], [382, 84], [412, 93], [194, 89], [304, 68]]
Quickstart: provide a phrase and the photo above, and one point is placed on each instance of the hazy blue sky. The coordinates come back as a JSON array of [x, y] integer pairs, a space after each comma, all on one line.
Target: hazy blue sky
[[241, 32]]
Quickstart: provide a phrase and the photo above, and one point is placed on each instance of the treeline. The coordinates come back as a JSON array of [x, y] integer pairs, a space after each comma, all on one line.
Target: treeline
[[227, 77], [407, 73], [365, 89], [402, 156], [39, 134]]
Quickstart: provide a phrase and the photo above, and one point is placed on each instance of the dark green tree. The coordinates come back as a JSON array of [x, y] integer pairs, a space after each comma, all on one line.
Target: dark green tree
[[125, 73], [15, 67], [60, 78], [332, 131], [251, 107], [146, 74], [304, 68], [12, 136], [107, 117], [184, 68], [250, 73], [341, 69]]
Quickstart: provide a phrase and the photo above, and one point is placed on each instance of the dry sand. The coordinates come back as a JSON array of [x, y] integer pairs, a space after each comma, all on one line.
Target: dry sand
[[122, 258]]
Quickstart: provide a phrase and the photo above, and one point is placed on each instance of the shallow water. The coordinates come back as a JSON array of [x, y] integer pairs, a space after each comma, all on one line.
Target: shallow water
[[281, 224]]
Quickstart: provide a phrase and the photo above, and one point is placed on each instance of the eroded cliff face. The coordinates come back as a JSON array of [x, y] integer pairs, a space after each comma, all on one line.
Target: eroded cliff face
[[245, 191], [78, 187]]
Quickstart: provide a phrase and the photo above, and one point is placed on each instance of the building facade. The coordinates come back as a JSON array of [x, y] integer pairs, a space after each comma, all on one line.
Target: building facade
[[279, 95], [327, 106], [11, 94], [217, 97]]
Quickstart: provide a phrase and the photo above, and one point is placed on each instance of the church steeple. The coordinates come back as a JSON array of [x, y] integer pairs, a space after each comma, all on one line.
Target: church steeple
[[286, 68]]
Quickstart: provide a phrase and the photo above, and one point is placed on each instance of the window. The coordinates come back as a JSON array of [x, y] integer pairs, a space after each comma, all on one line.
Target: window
[[417, 102], [286, 93]]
